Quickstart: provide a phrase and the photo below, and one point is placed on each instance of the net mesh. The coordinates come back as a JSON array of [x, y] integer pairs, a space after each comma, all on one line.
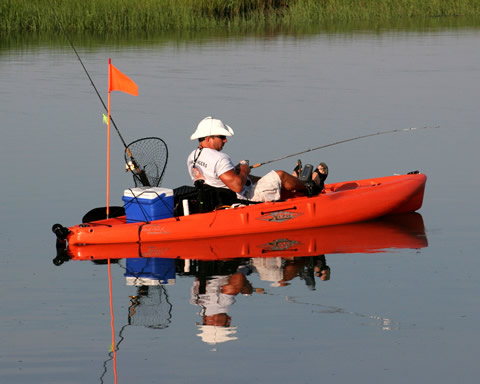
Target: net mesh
[[150, 308], [147, 159]]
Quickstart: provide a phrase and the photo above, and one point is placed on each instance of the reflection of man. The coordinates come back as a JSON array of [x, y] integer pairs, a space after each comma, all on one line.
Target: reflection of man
[[321, 269], [215, 296], [269, 269]]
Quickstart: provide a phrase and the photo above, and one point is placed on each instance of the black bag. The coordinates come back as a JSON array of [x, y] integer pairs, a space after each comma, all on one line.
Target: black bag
[[202, 198]]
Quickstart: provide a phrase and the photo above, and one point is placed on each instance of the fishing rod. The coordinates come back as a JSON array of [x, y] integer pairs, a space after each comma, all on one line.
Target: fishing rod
[[338, 142], [86, 72], [142, 175]]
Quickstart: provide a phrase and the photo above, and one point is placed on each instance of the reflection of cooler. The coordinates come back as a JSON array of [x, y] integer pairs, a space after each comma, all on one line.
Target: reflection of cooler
[[148, 203], [150, 271]]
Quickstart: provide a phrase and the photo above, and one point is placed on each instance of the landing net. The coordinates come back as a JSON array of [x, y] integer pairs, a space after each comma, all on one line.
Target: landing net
[[147, 159]]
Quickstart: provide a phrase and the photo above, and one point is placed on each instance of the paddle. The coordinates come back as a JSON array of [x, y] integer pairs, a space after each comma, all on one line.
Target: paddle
[[100, 213]]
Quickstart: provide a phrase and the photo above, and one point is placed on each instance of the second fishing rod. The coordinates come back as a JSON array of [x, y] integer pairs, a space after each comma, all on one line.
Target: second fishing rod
[[338, 142]]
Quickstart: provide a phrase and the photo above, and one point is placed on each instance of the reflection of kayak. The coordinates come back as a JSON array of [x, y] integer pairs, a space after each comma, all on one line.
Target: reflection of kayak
[[393, 232], [342, 203]]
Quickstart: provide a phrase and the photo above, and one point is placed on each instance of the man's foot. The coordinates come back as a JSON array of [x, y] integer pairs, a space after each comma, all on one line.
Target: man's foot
[[297, 171], [320, 175]]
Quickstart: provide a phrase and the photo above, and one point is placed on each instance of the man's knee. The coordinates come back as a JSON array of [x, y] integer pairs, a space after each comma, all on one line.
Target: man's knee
[[290, 182], [282, 175]]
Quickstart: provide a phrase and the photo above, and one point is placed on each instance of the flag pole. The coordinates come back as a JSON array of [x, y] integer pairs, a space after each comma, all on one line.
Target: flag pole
[[117, 81], [108, 136]]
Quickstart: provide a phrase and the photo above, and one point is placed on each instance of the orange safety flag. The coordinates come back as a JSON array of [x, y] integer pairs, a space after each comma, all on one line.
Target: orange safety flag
[[120, 82], [117, 81]]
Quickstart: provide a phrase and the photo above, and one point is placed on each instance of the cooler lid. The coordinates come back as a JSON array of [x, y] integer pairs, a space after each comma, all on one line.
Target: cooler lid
[[148, 193]]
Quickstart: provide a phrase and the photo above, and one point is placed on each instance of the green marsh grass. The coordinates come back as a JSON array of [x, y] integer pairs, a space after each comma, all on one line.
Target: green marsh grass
[[111, 16]]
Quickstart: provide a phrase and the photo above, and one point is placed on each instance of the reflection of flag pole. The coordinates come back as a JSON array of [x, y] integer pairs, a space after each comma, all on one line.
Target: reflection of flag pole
[[114, 349], [117, 81]]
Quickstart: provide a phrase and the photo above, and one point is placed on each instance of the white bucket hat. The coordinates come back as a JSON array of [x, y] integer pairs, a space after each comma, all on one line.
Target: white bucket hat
[[211, 127]]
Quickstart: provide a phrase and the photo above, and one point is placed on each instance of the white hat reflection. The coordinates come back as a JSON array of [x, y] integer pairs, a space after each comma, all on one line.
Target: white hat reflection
[[213, 334]]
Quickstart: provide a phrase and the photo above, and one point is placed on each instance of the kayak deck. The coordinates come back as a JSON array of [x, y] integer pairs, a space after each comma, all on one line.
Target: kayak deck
[[340, 203]]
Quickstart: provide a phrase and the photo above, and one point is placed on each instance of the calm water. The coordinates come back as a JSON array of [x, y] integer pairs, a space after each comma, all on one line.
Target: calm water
[[407, 314]]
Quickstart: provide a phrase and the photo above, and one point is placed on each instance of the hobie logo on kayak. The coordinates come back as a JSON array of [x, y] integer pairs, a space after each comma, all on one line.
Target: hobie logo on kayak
[[279, 245], [154, 230], [279, 216]]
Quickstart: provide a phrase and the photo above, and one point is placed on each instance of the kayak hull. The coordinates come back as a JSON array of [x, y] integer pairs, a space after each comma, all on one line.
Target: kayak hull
[[341, 203], [405, 231]]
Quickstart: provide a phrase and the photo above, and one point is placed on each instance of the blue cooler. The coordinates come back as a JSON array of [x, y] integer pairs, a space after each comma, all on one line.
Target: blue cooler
[[148, 203]]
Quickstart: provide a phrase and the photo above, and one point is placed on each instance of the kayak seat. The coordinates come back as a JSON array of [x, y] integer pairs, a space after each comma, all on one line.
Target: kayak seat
[[202, 198]]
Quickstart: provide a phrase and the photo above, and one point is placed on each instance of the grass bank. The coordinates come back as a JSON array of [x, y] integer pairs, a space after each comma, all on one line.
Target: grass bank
[[107, 16]]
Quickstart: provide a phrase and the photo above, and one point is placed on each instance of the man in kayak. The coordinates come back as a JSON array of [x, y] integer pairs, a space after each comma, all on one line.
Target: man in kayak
[[216, 168]]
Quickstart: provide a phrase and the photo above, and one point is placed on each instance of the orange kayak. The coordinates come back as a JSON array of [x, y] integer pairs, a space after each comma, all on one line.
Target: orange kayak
[[405, 231], [340, 203]]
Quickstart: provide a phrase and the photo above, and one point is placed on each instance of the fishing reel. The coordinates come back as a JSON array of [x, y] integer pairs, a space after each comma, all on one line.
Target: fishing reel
[[129, 167]]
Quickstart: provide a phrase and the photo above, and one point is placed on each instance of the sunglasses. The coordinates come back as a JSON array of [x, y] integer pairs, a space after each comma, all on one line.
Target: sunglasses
[[221, 137]]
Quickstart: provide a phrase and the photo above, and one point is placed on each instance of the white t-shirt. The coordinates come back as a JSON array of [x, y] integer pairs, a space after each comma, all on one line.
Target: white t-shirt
[[211, 164]]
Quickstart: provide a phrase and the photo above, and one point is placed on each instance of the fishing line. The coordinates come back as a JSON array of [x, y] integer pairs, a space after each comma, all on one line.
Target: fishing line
[[338, 142], [144, 180], [386, 323], [86, 71]]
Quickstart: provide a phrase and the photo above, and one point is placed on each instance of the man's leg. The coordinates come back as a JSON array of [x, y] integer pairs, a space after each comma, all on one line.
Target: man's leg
[[290, 182]]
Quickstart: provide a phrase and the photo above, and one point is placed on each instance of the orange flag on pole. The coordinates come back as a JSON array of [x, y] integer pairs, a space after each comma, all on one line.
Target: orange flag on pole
[[121, 82], [117, 81]]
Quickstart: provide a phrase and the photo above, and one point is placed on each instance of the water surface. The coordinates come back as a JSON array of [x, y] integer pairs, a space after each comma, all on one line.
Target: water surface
[[407, 314]]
